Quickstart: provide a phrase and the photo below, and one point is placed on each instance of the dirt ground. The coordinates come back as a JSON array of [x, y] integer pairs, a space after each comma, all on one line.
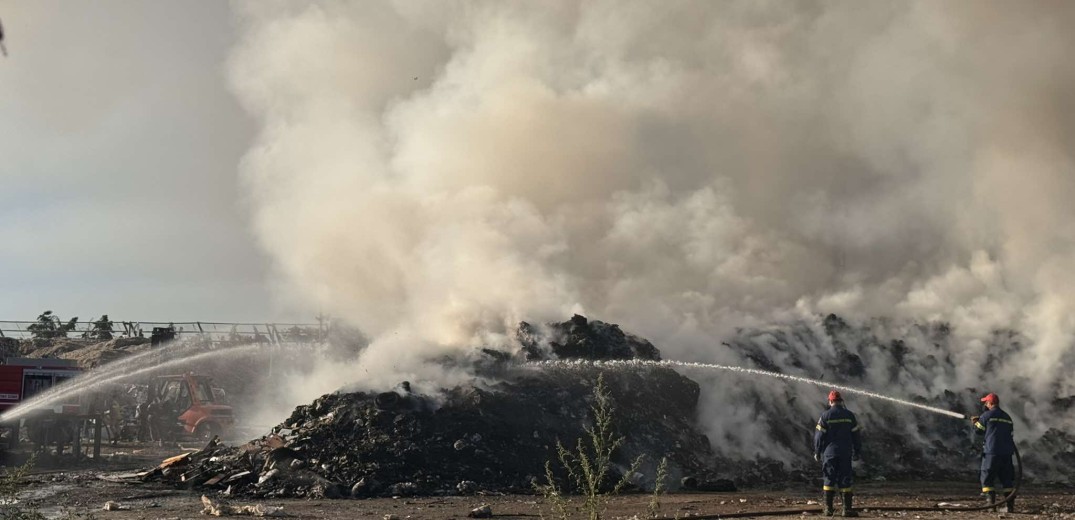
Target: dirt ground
[[58, 489], [82, 493]]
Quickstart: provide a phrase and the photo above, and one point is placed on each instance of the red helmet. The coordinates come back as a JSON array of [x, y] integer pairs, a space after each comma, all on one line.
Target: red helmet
[[835, 396], [991, 398]]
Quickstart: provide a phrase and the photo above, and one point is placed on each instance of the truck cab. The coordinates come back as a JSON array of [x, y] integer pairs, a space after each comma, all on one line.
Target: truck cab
[[192, 397]]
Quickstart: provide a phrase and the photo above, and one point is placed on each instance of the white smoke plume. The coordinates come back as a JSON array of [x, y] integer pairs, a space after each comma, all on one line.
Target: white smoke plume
[[434, 172]]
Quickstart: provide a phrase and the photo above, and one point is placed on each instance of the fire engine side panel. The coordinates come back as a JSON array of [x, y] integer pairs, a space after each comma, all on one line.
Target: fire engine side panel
[[36, 380], [10, 386]]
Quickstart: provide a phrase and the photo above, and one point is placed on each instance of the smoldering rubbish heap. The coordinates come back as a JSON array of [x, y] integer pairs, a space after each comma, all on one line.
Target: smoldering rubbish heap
[[482, 437], [496, 433]]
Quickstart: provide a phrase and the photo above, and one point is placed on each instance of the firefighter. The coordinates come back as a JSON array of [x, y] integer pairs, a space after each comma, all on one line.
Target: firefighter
[[836, 444], [142, 416], [114, 418], [997, 427], [162, 419]]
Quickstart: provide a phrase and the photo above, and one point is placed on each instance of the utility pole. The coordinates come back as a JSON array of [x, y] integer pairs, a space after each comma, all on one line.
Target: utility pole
[[320, 326]]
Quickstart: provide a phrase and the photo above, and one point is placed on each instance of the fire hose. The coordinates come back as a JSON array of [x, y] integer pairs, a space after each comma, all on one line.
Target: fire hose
[[788, 512]]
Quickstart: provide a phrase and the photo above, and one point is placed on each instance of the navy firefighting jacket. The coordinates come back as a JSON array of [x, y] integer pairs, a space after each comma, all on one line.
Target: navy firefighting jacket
[[997, 426], [837, 433]]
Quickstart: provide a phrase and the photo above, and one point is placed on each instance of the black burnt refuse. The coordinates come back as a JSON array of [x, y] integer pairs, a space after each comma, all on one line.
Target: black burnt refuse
[[481, 437], [496, 433], [579, 338]]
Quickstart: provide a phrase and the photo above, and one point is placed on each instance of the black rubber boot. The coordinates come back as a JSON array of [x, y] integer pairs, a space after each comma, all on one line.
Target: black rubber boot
[[991, 499], [1009, 506], [830, 496], [848, 510]]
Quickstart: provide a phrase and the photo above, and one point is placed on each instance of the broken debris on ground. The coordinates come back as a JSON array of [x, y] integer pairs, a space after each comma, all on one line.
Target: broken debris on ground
[[472, 439]]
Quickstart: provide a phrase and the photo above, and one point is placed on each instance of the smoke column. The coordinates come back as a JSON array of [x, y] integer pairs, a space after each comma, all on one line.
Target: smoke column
[[435, 172]]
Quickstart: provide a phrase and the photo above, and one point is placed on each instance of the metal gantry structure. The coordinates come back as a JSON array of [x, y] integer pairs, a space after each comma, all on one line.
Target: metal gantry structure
[[214, 331]]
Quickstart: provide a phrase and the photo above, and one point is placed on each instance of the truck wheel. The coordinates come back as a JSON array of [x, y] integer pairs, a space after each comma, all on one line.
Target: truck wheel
[[206, 431]]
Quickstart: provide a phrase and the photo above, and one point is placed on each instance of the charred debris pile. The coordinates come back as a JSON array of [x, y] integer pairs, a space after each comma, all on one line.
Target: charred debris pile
[[918, 361], [496, 437], [478, 438]]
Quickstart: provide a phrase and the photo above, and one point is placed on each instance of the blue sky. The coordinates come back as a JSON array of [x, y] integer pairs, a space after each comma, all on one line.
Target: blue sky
[[119, 147]]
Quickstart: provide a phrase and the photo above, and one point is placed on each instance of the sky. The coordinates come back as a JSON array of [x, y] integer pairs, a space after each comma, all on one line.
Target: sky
[[119, 147]]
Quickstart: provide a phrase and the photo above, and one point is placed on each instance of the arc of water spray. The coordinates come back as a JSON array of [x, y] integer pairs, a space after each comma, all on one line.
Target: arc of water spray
[[89, 379], [66, 390], [85, 380], [742, 370], [105, 371]]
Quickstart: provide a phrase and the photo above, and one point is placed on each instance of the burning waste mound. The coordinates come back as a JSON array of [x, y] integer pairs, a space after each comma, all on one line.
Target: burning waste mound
[[497, 436], [579, 338], [921, 362], [474, 438]]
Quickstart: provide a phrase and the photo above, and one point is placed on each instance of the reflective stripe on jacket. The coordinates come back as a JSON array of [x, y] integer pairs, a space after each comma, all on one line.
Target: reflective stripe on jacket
[[997, 426], [837, 433]]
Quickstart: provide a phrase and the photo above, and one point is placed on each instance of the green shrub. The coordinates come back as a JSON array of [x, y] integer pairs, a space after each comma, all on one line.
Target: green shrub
[[50, 326], [588, 466], [11, 481]]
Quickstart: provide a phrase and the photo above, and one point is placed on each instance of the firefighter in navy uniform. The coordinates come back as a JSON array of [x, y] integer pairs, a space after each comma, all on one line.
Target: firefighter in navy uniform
[[836, 444], [997, 427]]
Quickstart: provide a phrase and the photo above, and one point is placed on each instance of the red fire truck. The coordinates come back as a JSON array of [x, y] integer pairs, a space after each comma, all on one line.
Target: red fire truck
[[23, 378]]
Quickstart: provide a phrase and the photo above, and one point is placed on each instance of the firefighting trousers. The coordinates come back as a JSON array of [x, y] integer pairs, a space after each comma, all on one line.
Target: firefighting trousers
[[837, 474], [997, 467]]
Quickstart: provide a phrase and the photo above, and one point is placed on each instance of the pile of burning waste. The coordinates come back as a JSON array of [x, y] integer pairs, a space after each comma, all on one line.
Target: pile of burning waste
[[488, 437], [920, 361], [497, 436]]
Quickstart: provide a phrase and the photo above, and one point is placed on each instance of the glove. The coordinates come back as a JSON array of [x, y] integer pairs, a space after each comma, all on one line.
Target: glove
[[856, 456], [817, 457], [974, 419]]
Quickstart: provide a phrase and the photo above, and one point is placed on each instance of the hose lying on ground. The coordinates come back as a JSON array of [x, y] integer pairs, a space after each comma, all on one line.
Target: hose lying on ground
[[818, 510]]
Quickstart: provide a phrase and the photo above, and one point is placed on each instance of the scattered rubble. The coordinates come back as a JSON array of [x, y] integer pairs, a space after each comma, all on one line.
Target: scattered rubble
[[482, 511], [218, 508], [472, 439], [114, 506]]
